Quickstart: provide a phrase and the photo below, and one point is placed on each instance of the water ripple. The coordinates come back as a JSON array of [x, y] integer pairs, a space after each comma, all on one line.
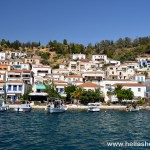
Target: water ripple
[[72, 130]]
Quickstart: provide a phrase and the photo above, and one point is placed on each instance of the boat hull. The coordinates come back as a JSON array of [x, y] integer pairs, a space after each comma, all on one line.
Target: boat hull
[[134, 110], [4, 108], [22, 109], [56, 110], [93, 109]]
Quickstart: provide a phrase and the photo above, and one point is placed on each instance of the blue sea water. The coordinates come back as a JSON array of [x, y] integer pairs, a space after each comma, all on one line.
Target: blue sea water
[[73, 130]]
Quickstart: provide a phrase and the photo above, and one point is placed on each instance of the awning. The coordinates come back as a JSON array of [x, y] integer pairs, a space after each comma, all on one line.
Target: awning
[[41, 87]]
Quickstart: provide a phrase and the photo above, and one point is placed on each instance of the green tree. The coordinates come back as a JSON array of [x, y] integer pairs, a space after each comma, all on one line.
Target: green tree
[[123, 93], [127, 42], [26, 94], [120, 43], [45, 55], [70, 89], [77, 93], [65, 42], [51, 90]]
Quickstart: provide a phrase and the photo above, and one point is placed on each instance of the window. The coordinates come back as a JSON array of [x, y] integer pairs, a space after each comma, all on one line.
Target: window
[[112, 72], [141, 78], [9, 87], [130, 89], [56, 89], [139, 89], [61, 90], [15, 88], [20, 87]]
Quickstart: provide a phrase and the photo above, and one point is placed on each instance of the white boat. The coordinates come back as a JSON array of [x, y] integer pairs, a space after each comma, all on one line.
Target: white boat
[[134, 109], [56, 107], [93, 107], [3, 106], [23, 108]]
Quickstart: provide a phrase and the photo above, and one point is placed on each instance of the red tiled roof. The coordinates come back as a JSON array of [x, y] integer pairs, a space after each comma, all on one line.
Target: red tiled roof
[[59, 81], [74, 76], [89, 84]]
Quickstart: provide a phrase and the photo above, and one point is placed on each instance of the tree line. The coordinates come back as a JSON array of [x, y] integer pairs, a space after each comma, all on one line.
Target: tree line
[[123, 49]]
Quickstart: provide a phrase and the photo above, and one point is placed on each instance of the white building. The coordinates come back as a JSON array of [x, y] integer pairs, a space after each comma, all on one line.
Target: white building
[[41, 70], [2, 56], [72, 67], [23, 75], [60, 87], [78, 56], [139, 90], [15, 89], [15, 55], [114, 62], [140, 78], [108, 85], [93, 76], [72, 78], [65, 72], [100, 58]]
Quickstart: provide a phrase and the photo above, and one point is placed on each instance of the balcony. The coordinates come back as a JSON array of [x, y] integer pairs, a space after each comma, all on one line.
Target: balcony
[[13, 92]]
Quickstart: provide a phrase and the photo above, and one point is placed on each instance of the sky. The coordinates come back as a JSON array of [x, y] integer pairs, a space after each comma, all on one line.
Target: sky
[[78, 21]]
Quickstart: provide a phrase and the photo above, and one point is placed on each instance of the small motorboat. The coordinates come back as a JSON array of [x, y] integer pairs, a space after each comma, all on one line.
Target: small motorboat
[[56, 107], [3, 106], [93, 107], [134, 109], [23, 108]]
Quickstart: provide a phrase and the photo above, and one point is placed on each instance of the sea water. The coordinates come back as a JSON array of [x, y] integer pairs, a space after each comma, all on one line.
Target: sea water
[[74, 130]]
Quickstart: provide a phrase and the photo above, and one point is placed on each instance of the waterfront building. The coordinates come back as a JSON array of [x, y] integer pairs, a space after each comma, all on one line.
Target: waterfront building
[[107, 84], [60, 87], [15, 89], [138, 89]]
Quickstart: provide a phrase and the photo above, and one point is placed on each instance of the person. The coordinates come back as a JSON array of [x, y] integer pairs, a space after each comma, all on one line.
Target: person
[[128, 106], [134, 105]]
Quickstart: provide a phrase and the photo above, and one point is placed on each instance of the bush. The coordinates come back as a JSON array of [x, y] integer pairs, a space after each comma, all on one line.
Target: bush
[[140, 101], [108, 103]]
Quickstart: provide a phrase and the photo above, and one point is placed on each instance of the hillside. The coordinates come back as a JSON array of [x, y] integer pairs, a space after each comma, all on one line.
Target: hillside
[[55, 52]]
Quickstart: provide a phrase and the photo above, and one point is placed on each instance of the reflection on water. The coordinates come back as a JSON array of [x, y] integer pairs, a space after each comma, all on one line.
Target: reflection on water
[[72, 129]]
